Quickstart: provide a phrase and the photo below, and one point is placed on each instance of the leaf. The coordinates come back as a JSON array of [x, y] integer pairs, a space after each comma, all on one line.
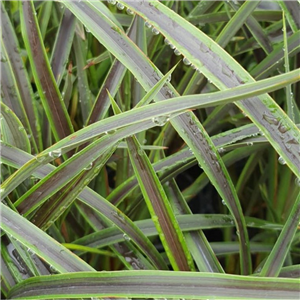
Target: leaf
[[159, 208], [158, 284], [22, 84], [12, 130], [62, 45], [40, 243], [220, 68], [278, 254], [105, 208], [140, 115], [48, 91]]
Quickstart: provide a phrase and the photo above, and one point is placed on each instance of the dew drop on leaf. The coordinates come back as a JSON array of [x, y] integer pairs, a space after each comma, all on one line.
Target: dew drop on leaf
[[55, 153], [120, 6], [161, 120], [126, 237], [177, 52], [186, 61], [148, 25], [155, 31], [129, 11], [89, 166], [281, 160]]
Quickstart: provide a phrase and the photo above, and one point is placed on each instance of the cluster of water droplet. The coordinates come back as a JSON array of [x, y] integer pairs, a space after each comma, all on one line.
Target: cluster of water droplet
[[185, 60], [120, 6], [154, 30]]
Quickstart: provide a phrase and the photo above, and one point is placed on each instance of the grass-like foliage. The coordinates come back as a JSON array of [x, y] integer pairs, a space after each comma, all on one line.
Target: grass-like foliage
[[150, 149]]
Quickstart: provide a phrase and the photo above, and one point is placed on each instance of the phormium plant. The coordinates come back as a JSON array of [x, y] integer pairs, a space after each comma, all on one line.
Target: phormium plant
[[150, 149]]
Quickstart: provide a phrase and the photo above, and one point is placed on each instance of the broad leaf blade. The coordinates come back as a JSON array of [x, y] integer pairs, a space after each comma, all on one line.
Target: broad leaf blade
[[145, 284]]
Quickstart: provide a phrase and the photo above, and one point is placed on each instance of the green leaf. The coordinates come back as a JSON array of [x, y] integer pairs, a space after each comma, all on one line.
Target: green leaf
[[277, 256], [220, 68], [158, 284], [12, 130], [159, 207], [60, 258]]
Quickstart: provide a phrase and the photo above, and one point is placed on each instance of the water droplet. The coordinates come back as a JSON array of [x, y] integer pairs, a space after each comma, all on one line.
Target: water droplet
[[218, 167], [155, 31], [297, 181], [129, 11], [221, 150], [30, 251], [3, 59], [270, 118], [177, 52], [169, 78], [56, 153], [53, 270], [282, 128], [161, 120], [223, 202], [2, 190], [120, 6], [148, 25], [112, 2], [119, 216], [167, 42], [170, 93], [186, 61], [249, 144], [281, 160], [126, 237], [21, 128], [204, 49], [226, 71], [89, 166]]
